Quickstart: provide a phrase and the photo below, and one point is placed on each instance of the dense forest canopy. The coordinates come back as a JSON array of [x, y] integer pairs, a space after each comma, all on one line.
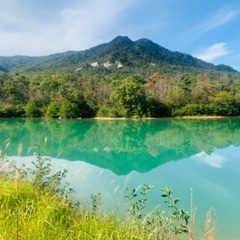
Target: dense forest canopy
[[117, 79]]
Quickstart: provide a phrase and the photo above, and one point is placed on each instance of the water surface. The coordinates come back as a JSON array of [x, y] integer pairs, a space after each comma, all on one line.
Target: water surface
[[107, 156]]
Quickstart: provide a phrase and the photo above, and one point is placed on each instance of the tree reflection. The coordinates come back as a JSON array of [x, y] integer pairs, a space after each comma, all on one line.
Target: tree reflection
[[120, 146]]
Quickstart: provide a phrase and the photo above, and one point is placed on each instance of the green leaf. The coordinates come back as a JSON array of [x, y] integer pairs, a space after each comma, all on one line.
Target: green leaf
[[164, 195], [176, 200]]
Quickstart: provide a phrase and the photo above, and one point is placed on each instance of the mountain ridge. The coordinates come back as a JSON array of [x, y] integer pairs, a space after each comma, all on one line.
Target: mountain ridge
[[121, 49]]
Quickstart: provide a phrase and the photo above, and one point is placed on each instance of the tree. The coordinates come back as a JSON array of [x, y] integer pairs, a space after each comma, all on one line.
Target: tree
[[185, 85], [128, 96], [31, 109], [225, 104], [53, 110], [157, 86], [81, 107], [15, 90], [68, 110]]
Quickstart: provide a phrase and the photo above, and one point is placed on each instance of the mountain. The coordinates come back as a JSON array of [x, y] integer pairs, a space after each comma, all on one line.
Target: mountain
[[120, 53]]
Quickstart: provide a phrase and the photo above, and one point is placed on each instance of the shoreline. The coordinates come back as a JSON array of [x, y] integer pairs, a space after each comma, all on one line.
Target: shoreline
[[131, 119], [165, 118]]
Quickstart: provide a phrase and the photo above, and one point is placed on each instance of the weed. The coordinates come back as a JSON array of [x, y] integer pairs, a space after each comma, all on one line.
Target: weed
[[162, 224], [96, 202], [136, 203]]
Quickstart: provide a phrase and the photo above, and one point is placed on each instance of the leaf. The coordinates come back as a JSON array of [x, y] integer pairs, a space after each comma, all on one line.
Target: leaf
[[164, 195], [176, 200]]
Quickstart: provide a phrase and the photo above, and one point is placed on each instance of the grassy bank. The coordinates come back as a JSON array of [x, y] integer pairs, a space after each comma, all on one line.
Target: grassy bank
[[34, 205], [27, 213]]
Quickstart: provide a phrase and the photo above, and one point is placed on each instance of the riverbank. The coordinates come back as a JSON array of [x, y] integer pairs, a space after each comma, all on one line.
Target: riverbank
[[167, 118], [29, 213]]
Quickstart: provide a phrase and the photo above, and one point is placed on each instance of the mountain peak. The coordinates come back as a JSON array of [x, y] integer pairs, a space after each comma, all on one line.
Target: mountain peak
[[143, 41], [121, 39]]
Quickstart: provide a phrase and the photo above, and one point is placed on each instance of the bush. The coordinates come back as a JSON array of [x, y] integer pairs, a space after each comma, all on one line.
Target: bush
[[222, 109], [32, 110], [224, 104], [195, 110], [11, 111], [105, 111], [156, 108], [53, 110], [68, 110]]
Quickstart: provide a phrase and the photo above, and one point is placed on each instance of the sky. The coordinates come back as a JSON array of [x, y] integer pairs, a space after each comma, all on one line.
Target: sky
[[206, 29]]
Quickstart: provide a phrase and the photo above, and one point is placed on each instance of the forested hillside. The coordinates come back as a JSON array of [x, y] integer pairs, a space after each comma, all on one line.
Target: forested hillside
[[121, 78]]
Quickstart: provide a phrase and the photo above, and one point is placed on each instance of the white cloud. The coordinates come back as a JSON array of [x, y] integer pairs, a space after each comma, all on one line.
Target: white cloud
[[30, 30], [220, 18], [84, 25], [214, 160], [213, 52]]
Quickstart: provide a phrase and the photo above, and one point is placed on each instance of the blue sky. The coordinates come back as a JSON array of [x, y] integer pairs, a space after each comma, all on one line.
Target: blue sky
[[207, 29]]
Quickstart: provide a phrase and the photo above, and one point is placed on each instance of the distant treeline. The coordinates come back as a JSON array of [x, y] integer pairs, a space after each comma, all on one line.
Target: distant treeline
[[72, 95]]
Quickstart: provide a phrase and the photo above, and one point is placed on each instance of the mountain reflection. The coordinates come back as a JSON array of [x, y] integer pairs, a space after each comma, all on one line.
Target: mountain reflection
[[120, 146]]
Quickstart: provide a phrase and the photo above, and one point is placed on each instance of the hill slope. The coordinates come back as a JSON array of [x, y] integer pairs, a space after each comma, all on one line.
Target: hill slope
[[121, 52]]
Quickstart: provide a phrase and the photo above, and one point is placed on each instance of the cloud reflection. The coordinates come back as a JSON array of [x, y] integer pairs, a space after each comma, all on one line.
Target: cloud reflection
[[213, 160]]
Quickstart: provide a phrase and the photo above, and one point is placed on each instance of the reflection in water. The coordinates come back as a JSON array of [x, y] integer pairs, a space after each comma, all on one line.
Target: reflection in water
[[104, 156], [120, 146], [213, 160], [214, 183]]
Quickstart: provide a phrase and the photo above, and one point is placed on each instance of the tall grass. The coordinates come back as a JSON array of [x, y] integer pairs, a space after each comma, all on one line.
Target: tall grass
[[34, 205]]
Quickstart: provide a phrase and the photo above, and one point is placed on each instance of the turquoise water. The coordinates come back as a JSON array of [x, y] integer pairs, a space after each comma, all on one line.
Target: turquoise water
[[108, 156]]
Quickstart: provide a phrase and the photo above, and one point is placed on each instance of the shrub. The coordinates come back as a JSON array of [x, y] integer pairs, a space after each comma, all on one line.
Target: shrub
[[224, 104], [156, 108], [68, 110], [11, 111], [32, 110], [195, 110], [53, 110]]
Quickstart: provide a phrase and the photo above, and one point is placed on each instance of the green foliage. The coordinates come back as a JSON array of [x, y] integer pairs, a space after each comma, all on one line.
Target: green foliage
[[11, 111], [175, 221], [195, 110], [68, 110], [186, 82], [225, 104], [176, 98], [178, 219], [129, 98], [137, 204], [53, 110], [14, 90], [41, 177], [134, 91], [157, 109], [32, 110], [39, 174], [106, 111], [82, 109], [221, 104]]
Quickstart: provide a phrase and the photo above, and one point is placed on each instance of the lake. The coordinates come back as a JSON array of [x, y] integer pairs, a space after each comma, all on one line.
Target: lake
[[188, 155]]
